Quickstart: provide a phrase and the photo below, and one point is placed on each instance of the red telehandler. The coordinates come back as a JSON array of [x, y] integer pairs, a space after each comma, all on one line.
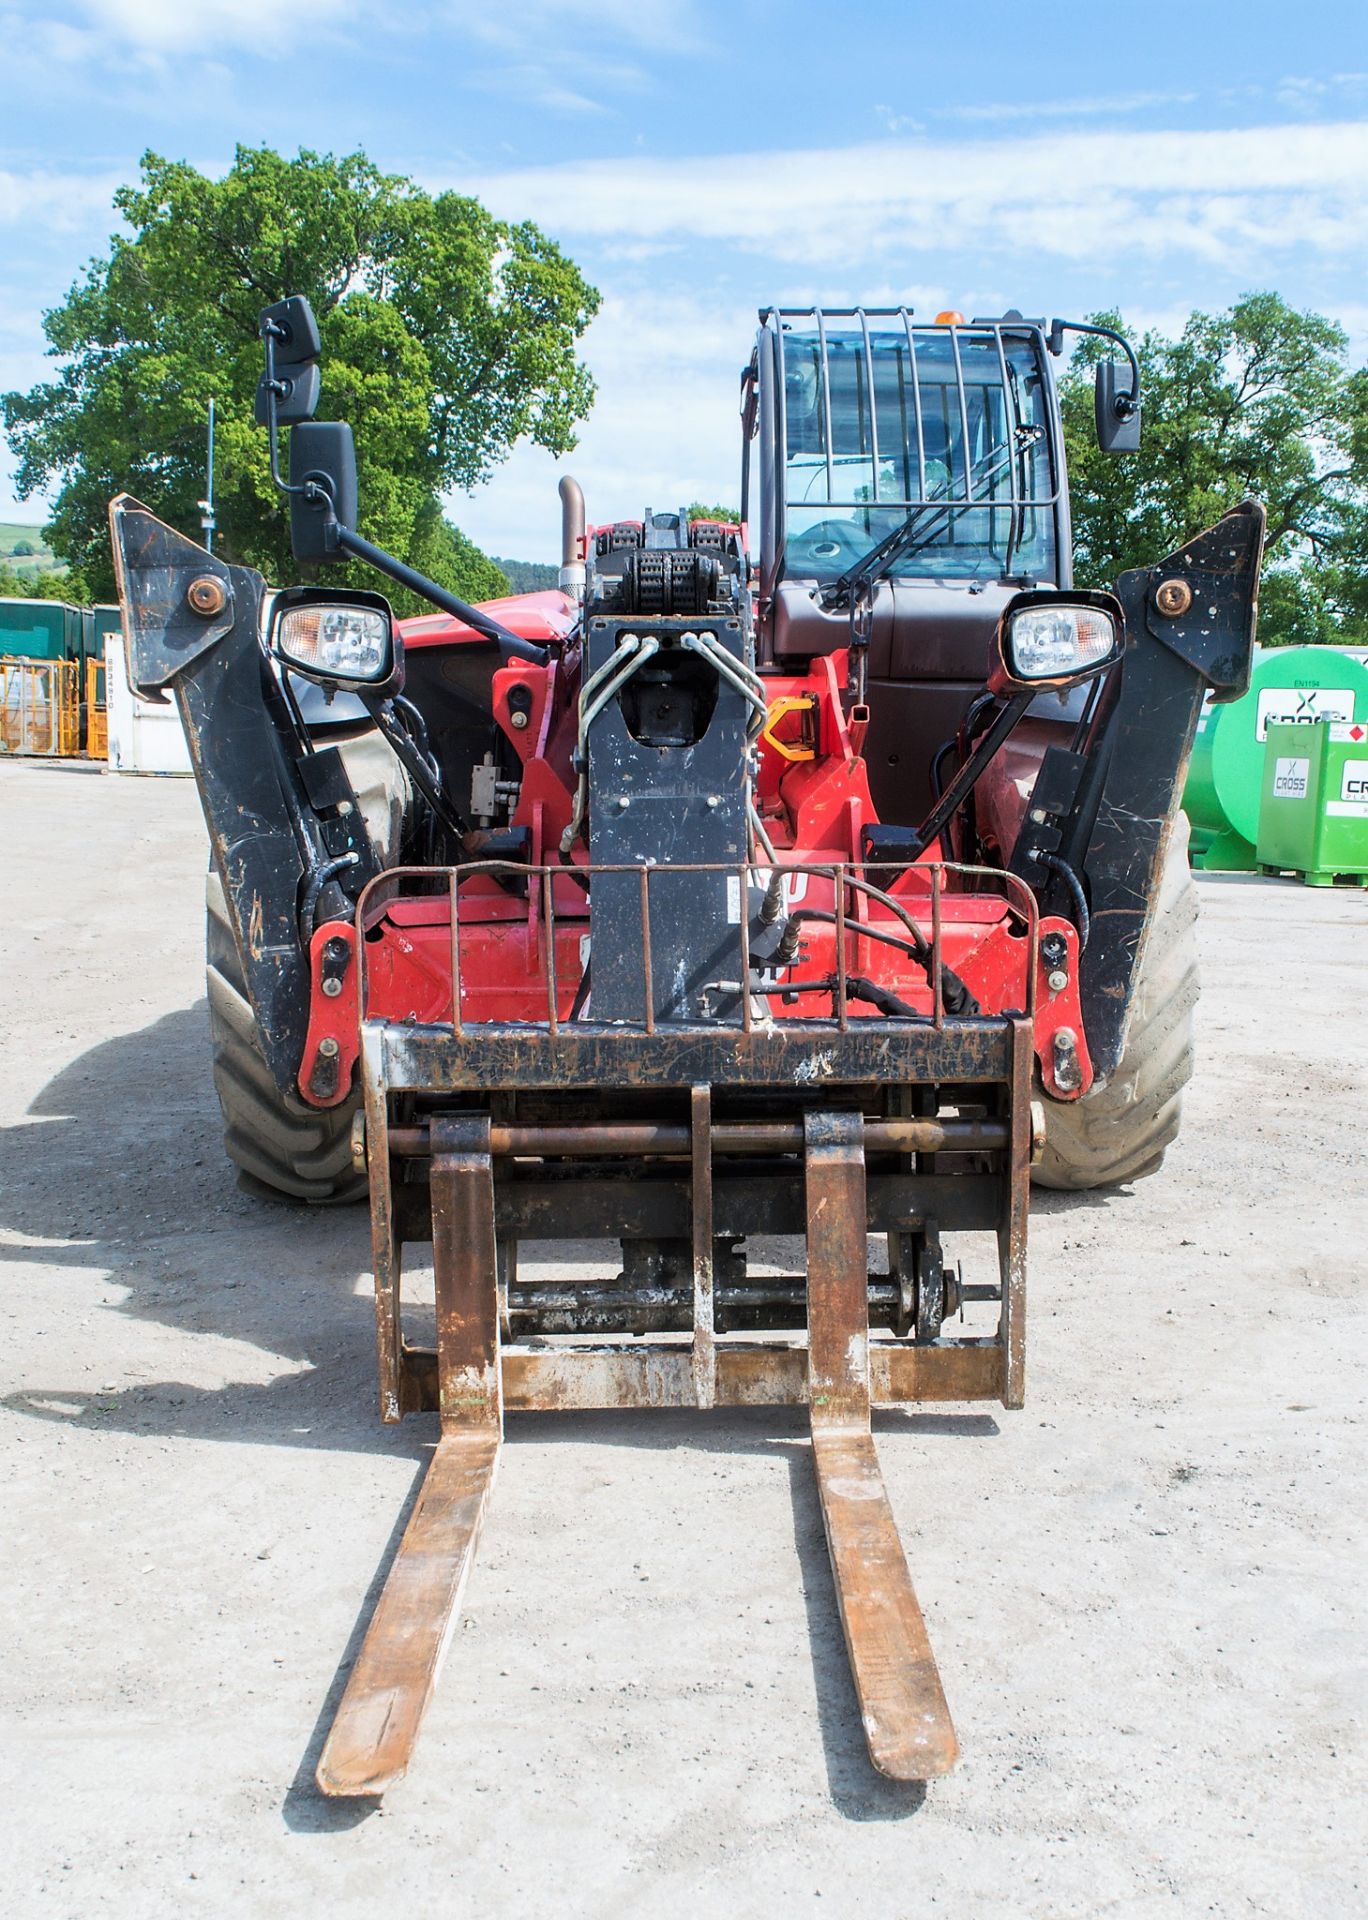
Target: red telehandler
[[702, 901]]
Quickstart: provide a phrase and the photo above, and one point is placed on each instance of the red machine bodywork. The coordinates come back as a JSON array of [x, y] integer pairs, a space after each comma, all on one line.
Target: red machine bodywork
[[812, 793], [550, 615]]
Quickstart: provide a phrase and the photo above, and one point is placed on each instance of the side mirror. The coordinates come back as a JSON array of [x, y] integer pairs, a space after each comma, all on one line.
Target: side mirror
[[1116, 408], [322, 489], [296, 398], [293, 328], [1048, 640], [750, 401], [291, 378]]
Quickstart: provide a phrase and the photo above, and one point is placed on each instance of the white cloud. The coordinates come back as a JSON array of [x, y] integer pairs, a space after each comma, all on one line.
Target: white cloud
[[562, 56], [552, 51], [1303, 94], [594, 25], [145, 32], [50, 199], [665, 428], [1078, 194], [151, 21], [536, 86], [1092, 107], [53, 40]]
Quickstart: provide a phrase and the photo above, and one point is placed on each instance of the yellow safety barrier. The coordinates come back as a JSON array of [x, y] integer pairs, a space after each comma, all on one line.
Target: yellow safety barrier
[[96, 711], [40, 707]]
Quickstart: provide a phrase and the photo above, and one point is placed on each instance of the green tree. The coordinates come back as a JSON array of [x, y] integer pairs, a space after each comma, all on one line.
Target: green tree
[[448, 336], [23, 550], [47, 585], [697, 510], [449, 556], [1255, 400], [528, 576]]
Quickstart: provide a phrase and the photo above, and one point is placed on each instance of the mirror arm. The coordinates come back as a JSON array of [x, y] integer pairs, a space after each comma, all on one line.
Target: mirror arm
[[336, 536], [511, 645], [270, 333], [1126, 403]]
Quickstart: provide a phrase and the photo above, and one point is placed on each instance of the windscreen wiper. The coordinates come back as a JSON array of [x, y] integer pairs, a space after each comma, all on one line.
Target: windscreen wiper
[[925, 523]]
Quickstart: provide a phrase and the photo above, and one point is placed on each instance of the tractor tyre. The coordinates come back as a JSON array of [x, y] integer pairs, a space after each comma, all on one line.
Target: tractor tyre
[[276, 1139], [1119, 1132]]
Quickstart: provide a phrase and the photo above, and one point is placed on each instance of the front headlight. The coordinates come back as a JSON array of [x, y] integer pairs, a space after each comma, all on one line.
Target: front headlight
[[1056, 643], [335, 641], [1051, 637]]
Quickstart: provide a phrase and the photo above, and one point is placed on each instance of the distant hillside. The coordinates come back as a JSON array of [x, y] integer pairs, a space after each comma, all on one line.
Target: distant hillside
[[40, 558], [527, 576]]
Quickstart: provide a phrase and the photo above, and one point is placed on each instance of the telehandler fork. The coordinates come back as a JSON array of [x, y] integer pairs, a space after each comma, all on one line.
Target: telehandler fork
[[693, 905]]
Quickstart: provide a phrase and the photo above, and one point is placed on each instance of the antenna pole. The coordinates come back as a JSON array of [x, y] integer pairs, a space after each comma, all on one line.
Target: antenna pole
[[206, 506]]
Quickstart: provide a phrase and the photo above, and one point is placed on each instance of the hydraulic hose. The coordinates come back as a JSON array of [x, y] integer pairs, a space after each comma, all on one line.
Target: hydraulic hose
[[1075, 886], [319, 879]]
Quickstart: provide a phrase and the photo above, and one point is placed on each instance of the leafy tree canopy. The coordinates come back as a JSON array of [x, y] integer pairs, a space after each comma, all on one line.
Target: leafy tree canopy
[[1256, 400], [448, 336], [528, 576], [697, 510], [17, 584]]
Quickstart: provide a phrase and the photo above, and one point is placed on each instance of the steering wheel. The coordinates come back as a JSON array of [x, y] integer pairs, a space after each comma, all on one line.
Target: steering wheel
[[833, 542]]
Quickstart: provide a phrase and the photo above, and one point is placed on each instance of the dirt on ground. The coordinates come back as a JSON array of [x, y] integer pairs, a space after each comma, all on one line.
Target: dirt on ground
[[1148, 1592]]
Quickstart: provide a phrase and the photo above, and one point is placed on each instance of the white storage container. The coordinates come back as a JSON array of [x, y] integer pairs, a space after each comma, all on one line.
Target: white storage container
[[143, 736]]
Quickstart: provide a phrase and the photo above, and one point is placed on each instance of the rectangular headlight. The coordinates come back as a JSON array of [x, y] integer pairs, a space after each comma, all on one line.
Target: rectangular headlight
[[1059, 642], [334, 641]]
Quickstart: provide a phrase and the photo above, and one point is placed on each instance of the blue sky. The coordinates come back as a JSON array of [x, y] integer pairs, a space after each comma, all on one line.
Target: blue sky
[[699, 157]]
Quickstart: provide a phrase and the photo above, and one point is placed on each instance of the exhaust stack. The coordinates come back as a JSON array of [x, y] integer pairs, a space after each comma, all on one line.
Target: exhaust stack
[[572, 567]]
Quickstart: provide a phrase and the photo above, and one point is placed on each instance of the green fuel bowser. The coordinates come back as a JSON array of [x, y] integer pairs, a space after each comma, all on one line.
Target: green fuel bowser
[[1225, 779], [1313, 807]]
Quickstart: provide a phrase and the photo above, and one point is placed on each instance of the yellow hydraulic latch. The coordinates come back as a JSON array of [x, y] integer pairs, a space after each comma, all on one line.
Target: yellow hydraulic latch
[[805, 746]]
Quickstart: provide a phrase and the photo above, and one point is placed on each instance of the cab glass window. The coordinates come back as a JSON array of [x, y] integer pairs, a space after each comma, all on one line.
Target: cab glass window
[[946, 429]]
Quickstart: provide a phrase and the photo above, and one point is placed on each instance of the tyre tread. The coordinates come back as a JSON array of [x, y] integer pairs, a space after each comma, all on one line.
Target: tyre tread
[[298, 1151], [1120, 1132]]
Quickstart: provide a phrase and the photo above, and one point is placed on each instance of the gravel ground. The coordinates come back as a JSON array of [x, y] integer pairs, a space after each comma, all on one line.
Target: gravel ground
[[1147, 1592]]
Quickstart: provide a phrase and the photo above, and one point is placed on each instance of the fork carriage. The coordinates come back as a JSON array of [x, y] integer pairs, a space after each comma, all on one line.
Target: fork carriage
[[683, 1141]]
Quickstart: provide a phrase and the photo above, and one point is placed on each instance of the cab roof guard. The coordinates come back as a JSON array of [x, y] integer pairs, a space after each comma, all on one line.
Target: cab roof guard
[[874, 328]]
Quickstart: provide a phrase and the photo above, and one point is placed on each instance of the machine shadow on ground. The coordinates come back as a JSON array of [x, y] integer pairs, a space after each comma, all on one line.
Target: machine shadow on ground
[[118, 1169]]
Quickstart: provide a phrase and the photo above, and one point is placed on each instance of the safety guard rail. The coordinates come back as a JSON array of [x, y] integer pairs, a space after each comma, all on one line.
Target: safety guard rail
[[847, 878]]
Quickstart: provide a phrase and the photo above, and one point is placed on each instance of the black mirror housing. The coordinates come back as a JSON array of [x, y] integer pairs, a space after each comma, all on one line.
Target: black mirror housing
[[299, 401], [1116, 409], [323, 465], [292, 326], [292, 349]]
